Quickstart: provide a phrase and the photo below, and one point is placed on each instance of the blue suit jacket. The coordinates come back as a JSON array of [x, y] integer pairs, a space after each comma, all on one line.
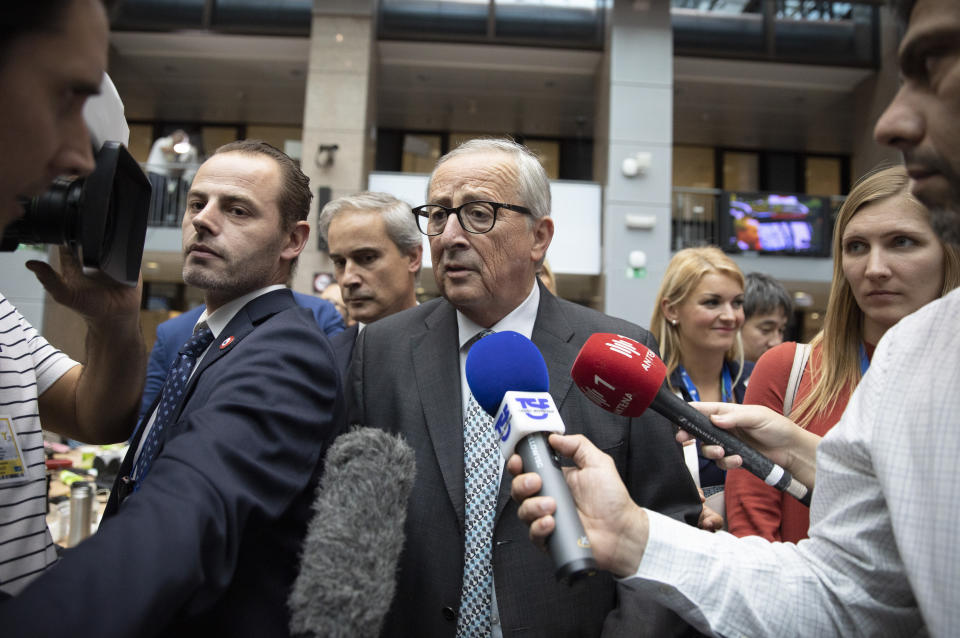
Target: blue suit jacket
[[209, 545], [173, 333]]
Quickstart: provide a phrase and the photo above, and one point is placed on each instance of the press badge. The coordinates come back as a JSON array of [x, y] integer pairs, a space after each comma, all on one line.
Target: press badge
[[12, 468]]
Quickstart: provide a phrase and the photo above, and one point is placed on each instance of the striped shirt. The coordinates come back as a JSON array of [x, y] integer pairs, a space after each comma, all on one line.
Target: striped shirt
[[28, 367]]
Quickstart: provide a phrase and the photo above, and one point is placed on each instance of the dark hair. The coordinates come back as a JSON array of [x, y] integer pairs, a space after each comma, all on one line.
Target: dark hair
[[34, 16], [903, 9], [762, 294], [295, 194], [21, 18]]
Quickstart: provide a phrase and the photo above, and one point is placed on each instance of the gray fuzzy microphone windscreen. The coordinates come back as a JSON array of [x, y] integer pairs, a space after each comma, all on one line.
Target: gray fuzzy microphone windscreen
[[348, 565]]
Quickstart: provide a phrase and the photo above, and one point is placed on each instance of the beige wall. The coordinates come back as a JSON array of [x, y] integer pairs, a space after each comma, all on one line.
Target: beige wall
[[275, 135], [140, 141], [693, 166]]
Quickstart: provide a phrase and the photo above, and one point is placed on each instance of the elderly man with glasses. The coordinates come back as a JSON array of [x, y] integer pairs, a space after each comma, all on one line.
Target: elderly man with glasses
[[468, 568]]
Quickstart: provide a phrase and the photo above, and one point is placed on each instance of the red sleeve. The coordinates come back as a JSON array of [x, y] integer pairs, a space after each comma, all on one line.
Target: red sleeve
[[753, 507]]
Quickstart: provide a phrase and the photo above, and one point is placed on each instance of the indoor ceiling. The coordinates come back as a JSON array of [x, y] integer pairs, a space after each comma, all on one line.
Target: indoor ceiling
[[200, 76]]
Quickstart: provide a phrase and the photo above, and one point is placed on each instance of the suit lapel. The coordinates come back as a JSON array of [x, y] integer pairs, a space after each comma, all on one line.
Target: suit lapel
[[436, 367], [552, 335], [247, 318]]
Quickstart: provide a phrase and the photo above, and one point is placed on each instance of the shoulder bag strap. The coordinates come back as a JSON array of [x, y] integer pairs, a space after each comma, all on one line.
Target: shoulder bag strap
[[800, 357]]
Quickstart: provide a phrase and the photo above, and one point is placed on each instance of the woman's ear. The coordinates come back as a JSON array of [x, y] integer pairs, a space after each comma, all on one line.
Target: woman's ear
[[669, 311]]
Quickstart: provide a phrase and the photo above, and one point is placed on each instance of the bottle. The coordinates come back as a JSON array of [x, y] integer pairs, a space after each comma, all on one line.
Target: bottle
[[81, 510]]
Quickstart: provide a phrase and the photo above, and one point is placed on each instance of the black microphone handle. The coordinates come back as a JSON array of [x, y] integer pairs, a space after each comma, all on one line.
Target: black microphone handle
[[568, 545], [679, 411]]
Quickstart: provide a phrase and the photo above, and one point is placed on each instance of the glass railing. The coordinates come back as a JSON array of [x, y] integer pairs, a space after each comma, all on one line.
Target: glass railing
[[554, 23], [262, 17], [797, 31], [694, 219], [794, 31], [169, 197]]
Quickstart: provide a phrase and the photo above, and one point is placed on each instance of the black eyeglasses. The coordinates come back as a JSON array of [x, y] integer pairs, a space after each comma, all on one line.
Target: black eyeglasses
[[474, 217]]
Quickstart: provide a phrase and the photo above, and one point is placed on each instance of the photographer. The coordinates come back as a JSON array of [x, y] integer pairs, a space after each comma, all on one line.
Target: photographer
[[53, 56]]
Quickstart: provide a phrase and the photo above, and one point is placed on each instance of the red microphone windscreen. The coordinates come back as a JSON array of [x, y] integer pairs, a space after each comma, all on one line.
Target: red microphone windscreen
[[618, 374]]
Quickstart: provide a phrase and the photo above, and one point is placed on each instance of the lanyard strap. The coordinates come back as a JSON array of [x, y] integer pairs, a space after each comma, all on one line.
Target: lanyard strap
[[864, 361], [726, 392]]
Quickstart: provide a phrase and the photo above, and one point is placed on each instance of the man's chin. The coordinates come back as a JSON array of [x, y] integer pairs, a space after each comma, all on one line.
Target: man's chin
[[360, 310], [202, 280]]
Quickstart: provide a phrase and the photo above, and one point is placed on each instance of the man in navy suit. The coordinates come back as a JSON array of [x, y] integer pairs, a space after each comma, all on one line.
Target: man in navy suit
[[202, 536], [173, 333], [376, 249]]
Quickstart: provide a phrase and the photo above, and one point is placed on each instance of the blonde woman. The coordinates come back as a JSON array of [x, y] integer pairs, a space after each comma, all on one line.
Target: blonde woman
[[697, 320], [887, 263]]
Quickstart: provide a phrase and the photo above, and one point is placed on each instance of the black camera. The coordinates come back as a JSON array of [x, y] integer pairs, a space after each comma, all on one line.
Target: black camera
[[101, 217]]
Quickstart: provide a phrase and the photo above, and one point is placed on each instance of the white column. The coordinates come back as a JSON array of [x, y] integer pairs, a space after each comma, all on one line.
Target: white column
[[338, 111], [636, 107]]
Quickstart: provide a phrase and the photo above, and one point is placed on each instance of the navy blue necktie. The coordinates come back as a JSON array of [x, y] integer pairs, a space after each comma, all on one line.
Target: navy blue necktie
[[170, 398]]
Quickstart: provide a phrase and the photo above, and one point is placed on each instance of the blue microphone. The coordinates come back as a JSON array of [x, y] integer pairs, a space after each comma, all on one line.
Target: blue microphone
[[508, 377]]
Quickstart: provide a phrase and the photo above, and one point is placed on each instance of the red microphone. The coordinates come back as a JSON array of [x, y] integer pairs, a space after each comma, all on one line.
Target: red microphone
[[618, 374], [625, 377]]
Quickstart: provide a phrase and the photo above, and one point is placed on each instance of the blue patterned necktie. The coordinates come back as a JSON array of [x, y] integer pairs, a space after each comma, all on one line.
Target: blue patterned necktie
[[482, 465], [170, 398]]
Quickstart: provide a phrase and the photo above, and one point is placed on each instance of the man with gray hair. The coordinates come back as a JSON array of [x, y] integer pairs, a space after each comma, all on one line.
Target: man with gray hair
[[766, 309], [467, 568], [376, 251]]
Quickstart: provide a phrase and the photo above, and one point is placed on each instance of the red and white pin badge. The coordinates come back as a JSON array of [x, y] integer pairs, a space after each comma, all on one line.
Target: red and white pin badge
[[227, 342]]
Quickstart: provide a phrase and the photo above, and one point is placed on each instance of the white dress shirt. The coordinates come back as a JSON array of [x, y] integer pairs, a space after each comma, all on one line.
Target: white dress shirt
[[883, 556]]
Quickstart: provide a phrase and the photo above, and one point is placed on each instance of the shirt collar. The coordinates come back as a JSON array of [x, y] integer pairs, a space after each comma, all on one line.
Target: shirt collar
[[520, 319], [219, 318]]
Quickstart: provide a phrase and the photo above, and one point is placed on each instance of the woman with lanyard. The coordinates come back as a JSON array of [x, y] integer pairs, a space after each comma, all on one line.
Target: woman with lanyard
[[887, 263], [697, 320]]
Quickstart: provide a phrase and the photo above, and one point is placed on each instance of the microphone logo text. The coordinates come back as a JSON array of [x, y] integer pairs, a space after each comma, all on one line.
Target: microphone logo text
[[529, 404], [623, 346], [503, 424]]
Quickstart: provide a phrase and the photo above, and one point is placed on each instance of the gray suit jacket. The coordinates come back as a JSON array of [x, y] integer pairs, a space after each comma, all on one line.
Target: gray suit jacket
[[405, 378]]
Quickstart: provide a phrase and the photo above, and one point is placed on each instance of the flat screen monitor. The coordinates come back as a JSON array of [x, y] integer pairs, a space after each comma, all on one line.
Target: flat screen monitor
[[775, 224]]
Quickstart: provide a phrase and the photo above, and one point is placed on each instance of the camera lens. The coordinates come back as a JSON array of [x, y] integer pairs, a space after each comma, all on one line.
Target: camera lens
[[50, 218]]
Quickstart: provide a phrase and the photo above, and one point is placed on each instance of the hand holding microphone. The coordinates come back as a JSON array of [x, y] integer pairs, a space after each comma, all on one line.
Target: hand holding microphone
[[615, 523], [624, 377], [769, 432], [508, 377]]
